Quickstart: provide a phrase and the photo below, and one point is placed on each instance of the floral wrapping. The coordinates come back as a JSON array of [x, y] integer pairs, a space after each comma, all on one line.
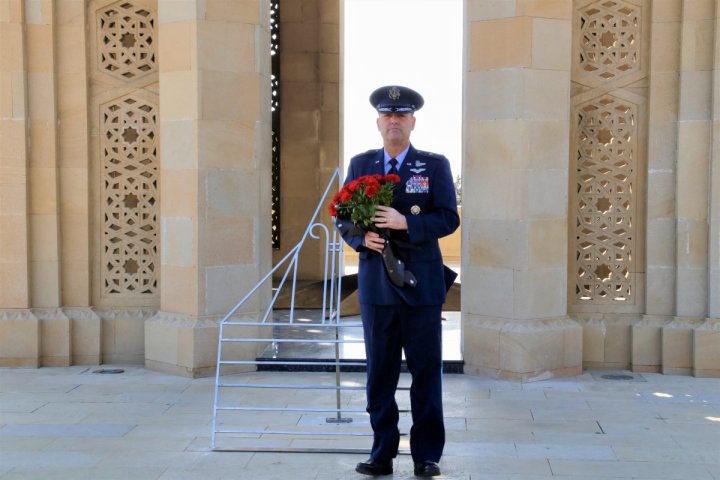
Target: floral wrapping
[[354, 206]]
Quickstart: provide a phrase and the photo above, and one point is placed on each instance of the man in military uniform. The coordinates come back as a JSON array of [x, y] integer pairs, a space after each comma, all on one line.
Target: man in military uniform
[[405, 316]]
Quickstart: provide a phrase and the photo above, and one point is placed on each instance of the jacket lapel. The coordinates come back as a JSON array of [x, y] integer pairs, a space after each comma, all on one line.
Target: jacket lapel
[[378, 166]]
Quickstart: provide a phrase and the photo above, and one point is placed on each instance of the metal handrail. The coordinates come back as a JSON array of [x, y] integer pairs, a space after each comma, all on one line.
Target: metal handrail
[[330, 318]]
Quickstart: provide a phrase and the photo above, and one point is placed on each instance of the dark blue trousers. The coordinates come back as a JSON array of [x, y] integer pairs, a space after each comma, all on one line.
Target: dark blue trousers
[[388, 329]]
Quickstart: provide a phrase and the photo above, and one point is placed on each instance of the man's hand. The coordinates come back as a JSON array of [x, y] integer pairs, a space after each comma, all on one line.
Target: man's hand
[[388, 217], [373, 241]]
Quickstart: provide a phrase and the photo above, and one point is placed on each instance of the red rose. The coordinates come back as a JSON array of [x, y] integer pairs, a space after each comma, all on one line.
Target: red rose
[[357, 200], [345, 195], [391, 177], [371, 186]]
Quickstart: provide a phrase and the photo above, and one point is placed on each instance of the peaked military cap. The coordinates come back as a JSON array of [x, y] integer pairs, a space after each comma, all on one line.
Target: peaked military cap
[[394, 98]]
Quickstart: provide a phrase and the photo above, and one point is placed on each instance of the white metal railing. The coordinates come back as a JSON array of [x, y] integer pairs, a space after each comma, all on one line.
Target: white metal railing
[[329, 319]]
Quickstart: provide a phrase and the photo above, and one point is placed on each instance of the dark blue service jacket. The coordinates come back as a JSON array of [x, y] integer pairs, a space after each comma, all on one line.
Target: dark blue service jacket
[[426, 187]]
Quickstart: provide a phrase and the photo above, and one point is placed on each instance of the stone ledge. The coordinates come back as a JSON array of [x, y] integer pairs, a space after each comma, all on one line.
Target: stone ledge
[[525, 350], [647, 344], [607, 339], [706, 349], [55, 337], [677, 345], [187, 345], [19, 338]]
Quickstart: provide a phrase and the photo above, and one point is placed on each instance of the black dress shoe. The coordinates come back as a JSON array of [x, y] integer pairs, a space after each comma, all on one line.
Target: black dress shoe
[[375, 467], [426, 469]]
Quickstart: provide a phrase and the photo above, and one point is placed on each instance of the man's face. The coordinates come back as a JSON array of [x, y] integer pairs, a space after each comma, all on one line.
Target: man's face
[[395, 128]]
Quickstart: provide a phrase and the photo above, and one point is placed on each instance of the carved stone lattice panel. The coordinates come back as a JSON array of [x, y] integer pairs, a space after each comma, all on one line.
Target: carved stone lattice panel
[[129, 143], [605, 179], [609, 40], [126, 41]]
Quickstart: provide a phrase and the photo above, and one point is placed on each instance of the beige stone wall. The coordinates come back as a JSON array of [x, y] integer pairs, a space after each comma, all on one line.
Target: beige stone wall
[[515, 190], [215, 209], [73, 152], [668, 324], [714, 197], [43, 159], [79, 110], [696, 336], [606, 260], [694, 142], [662, 147], [14, 162], [310, 126], [206, 101]]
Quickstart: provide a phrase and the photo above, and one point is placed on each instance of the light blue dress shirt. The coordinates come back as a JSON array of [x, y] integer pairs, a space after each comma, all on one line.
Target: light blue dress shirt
[[400, 158]]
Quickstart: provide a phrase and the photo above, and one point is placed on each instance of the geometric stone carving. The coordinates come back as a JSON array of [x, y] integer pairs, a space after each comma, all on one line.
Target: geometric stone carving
[[129, 144], [607, 58], [605, 174], [609, 33], [126, 41]]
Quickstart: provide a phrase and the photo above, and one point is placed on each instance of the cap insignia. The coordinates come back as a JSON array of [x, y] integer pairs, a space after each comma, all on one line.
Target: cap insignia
[[394, 93]]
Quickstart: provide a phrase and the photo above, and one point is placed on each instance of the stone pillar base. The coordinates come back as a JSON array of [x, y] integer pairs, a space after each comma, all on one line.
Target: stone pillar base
[[525, 350], [647, 344], [677, 345], [123, 334], [86, 334], [607, 340], [187, 345], [706, 349], [55, 337], [19, 338]]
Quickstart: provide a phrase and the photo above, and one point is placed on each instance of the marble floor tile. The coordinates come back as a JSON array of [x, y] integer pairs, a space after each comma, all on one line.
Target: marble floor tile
[[634, 470], [567, 452], [147, 425], [74, 473], [66, 430]]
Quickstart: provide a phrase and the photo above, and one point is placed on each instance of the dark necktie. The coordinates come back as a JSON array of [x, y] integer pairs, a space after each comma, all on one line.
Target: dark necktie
[[393, 167]]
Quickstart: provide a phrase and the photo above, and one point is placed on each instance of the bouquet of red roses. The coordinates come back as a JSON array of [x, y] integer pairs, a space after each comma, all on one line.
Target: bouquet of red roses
[[354, 206], [357, 200]]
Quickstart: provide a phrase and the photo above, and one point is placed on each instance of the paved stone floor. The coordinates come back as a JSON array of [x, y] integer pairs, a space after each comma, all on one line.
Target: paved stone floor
[[58, 423]]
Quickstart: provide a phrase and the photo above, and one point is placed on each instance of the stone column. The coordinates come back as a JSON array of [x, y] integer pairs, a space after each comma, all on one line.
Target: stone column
[[692, 182], [714, 238], [41, 31], [215, 176], [42, 107], [515, 189], [19, 328], [14, 159], [664, 51], [73, 146], [693, 165], [662, 156], [310, 126], [73, 77], [706, 338]]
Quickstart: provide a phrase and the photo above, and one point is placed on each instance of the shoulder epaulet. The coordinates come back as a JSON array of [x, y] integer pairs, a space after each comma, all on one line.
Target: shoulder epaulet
[[369, 152], [428, 154]]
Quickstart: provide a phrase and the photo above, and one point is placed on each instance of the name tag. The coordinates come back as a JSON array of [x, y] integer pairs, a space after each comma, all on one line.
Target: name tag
[[417, 184]]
